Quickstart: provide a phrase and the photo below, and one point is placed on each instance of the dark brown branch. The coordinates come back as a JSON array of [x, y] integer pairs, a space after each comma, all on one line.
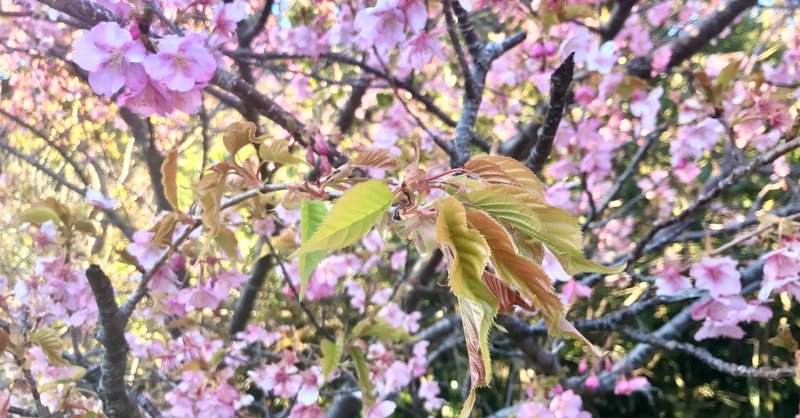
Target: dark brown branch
[[560, 82], [111, 333], [346, 117], [632, 167], [142, 134], [706, 357], [83, 10], [470, 89], [694, 37], [247, 36], [619, 14], [712, 25], [709, 195], [406, 85], [345, 405], [113, 216], [247, 299]]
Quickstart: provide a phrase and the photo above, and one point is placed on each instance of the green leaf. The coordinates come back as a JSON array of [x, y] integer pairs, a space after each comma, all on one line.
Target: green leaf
[[278, 152], [362, 374], [50, 343], [467, 254], [39, 216], [524, 275], [239, 135], [556, 228], [728, 73], [331, 354], [86, 227], [312, 213], [352, 216], [381, 329]]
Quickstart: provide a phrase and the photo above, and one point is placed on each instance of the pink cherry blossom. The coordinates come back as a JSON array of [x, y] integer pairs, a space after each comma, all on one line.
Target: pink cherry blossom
[[693, 140], [306, 411], [721, 316], [669, 279], [309, 391], [602, 59], [583, 96], [592, 382], [145, 249], [568, 405], [227, 16], [147, 97], [429, 393], [382, 409], [626, 386], [96, 199], [534, 410], [421, 49], [107, 52], [573, 290], [283, 381], [646, 106], [661, 57], [46, 234], [181, 62], [718, 275], [416, 13], [382, 25], [659, 12], [781, 272]]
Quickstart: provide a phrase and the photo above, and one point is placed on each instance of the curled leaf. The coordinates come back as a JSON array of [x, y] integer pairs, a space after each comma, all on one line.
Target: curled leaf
[[521, 175], [556, 228], [239, 135], [169, 178], [278, 152], [50, 343], [467, 254], [376, 158]]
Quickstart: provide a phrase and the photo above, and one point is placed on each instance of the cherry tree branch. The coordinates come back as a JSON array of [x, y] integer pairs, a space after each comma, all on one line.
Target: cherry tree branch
[[113, 216], [142, 132], [112, 388], [247, 36], [706, 357], [633, 167], [619, 14], [247, 299], [560, 82], [347, 115], [705, 198], [61, 151], [694, 37], [129, 306]]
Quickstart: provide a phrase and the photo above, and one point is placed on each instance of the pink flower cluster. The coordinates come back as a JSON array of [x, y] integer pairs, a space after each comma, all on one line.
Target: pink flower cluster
[[566, 404], [285, 380], [201, 394], [782, 271], [159, 82], [384, 26], [57, 292], [391, 374]]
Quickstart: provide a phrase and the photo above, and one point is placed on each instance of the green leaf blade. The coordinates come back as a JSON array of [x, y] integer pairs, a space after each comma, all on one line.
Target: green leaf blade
[[312, 214], [351, 217]]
